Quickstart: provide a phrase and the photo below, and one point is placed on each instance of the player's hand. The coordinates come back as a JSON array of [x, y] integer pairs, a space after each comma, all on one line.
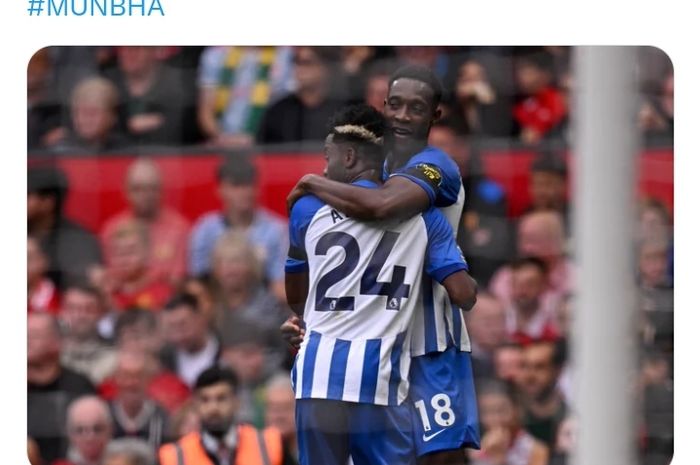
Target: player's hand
[[298, 191], [293, 331]]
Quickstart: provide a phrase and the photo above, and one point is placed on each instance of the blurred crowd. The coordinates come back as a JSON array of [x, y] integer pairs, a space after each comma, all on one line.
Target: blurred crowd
[[123, 321], [100, 99]]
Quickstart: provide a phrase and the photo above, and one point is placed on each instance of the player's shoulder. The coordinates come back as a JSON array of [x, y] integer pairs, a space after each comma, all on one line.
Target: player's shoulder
[[433, 156], [306, 206]]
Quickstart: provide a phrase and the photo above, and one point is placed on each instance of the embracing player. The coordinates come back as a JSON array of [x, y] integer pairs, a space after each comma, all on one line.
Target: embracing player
[[417, 177], [357, 285]]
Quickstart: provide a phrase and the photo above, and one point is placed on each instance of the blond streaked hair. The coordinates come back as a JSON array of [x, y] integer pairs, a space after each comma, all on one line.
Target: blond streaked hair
[[358, 131]]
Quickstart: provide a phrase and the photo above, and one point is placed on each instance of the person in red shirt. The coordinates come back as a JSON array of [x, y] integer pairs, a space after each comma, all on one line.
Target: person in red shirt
[[42, 294], [167, 229], [542, 107], [128, 273], [138, 331]]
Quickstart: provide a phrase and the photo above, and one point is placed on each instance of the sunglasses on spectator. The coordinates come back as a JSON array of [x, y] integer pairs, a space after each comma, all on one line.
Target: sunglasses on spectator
[[86, 429]]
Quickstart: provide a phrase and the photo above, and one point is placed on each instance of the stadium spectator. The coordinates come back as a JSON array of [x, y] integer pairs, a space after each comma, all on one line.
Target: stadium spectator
[[130, 279], [508, 363], [191, 347], [134, 413], [484, 232], [128, 451], [167, 229], [137, 331], [655, 117], [541, 108], [89, 431], [44, 109], [279, 413], [266, 231], [94, 119], [657, 408], [302, 115], [152, 97], [566, 442], [504, 440], [236, 85], [377, 85], [435, 58], [83, 349], [548, 184], [478, 105], [240, 293], [33, 453], [50, 386], [70, 248], [486, 323], [42, 295], [544, 403], [655, 293], [221, 438], [245, 351], [200, 289], [540, 235], [184, 421], [530, 313]]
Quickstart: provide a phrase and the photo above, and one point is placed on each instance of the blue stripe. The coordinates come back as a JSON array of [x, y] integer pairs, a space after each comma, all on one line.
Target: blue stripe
[[294, 375], [395, 378], [370, 370], [429, 315], [339, 363], [457, 326], [309, 362]]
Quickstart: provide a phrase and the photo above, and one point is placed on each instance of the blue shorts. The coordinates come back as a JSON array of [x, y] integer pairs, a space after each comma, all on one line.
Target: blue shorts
[[443, 398], [329, 432]]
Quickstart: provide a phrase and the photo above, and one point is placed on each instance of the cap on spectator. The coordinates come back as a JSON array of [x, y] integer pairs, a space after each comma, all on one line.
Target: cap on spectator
[[548, 162], [239, 171]]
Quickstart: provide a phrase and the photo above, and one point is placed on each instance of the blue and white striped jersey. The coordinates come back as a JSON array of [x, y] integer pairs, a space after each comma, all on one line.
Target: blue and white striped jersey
[[442, 324], [364, 285]]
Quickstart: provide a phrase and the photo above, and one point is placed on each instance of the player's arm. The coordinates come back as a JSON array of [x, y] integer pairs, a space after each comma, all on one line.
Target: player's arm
[[445, 262], [399, 197], [297, 287], [462, 289]]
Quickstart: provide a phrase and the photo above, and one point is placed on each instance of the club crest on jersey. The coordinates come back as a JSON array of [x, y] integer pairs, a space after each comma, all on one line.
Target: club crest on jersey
[[431, 173], [333, 303], [393, 304]]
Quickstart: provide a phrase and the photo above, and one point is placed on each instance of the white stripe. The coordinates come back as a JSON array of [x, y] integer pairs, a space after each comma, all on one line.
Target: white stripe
[[322, 367], [382, 394], [353, 375], [300, 368]]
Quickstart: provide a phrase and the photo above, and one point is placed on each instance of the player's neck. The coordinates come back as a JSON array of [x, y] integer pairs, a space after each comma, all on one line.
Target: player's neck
[[367, 174], [399, 156]]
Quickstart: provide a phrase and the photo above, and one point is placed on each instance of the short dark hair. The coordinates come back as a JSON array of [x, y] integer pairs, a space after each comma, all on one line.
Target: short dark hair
[[522, 262], [238, 170], [48, 181], [549, 162], [215, 375], [182, 299], [132, 317], [85, 288], [422, 74]]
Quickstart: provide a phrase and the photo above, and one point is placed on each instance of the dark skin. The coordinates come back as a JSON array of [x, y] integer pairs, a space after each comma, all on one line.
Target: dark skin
[[409, 111], [346, 165]]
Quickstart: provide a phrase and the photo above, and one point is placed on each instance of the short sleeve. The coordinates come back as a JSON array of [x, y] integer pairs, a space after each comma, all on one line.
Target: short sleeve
[[436, 173], [300, 218], [443, 256]]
